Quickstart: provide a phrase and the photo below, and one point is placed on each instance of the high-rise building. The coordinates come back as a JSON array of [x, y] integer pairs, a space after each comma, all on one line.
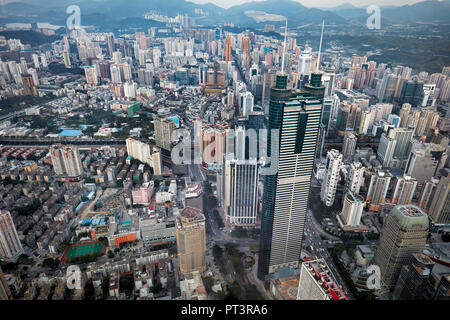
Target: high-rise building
[[240, 191], [110, 44], [66, 160], [91, 75], [352, 210], [28, 85], [247, 103], [329, 184], [228, 49], [296, 114], [394, 147], [191, 240], [413, 278], [355, 177], [164, 127], [403, 191], [349, 147], [404, 233], [440, 206], [427, 194], [212, 144], [379, 185], [10, 246], [5, 292], [316, 282], [425, 160]]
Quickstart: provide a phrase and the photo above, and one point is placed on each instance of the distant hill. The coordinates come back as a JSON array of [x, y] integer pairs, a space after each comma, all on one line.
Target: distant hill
[[426, 11]]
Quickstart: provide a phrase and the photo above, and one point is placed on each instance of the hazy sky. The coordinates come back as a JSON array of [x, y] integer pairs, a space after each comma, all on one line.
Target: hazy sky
[[317, 3]]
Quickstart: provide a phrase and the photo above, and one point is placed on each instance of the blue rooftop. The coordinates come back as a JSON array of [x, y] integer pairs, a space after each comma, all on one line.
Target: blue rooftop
[[69, 133]]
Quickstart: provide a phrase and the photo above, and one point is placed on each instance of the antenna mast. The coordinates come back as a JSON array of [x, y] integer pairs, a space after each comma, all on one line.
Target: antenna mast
[[284, 49], [320, 47]]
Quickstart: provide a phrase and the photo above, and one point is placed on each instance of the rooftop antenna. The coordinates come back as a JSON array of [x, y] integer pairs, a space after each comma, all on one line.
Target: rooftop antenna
[[320, 48], [284, 49]]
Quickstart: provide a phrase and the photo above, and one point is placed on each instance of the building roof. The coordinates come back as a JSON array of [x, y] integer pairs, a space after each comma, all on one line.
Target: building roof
[[410, 216]]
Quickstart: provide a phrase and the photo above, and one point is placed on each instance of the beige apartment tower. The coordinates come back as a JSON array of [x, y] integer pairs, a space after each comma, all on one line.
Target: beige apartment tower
[[191, 240]]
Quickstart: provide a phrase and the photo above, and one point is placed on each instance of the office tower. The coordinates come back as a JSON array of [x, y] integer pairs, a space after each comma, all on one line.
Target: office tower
[[66, 160], [247, 103], [286, 193], [395, 147], [5, 293], [240, 191], [379, 185], [352, 210], [191, 240], [425, 160], [164, 128], [110, 44], [329, 184], [212, 144], [91, 75], [411, 92], [304, 63], [413, 278], [440, 206], [355, 177], [404, 189], [246, 50], [228, 49], [324, 126], [316, 282], [349, 147], [427, 194], [10, 246], [28, 85], [428, 95], [404, 233], [347, 117]]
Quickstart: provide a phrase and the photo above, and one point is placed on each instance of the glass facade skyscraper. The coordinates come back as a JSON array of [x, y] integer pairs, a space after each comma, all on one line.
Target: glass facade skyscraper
[[296, 114]]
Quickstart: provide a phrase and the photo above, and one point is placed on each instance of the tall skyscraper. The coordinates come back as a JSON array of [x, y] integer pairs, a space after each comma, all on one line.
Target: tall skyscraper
[[329, 184], [110, 44], [10, 246], [296, 114], [228, 49], [191, 240], [247, 103], [66, 160], [379, 185], [440, 206], [413, 278], [404, 233], [352, 210], [349, 147], [164, 127], [427, 194], [355, 177], [404, 189], [240, 191], [91, 75]]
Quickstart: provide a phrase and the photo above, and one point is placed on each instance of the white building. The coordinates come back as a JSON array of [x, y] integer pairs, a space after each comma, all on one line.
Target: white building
[[329, 185], [10, 246]]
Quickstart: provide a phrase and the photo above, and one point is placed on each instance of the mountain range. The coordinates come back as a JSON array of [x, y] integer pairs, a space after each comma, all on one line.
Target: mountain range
[[111, 12]]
